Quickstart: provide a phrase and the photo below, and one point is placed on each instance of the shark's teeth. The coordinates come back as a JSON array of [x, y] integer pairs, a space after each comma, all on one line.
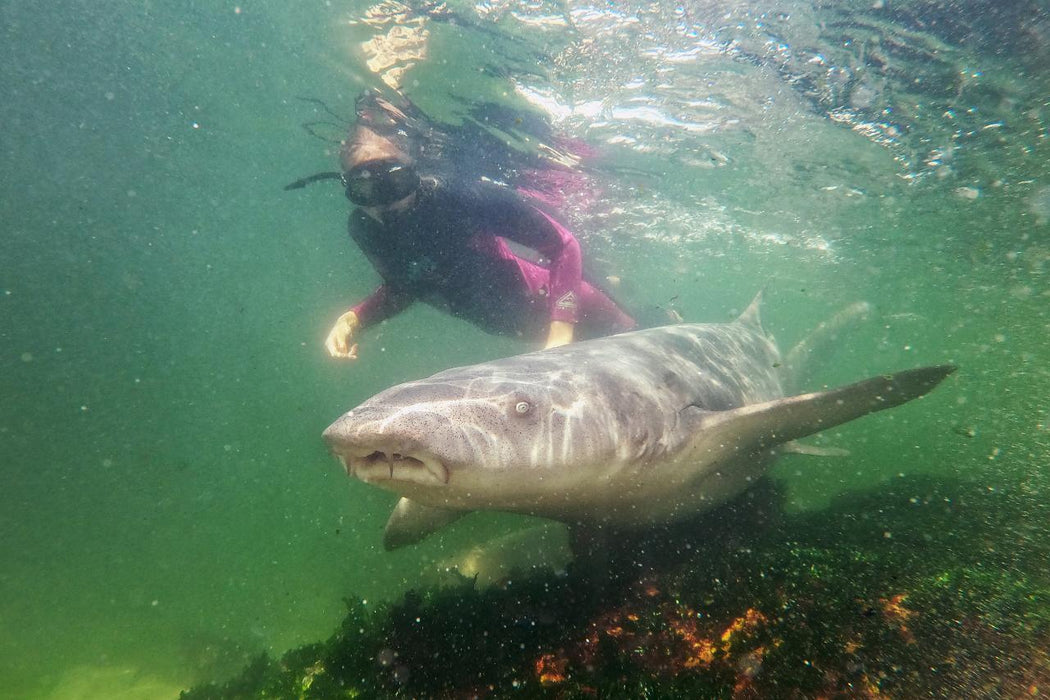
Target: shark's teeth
[[378, 466], [436, 468]]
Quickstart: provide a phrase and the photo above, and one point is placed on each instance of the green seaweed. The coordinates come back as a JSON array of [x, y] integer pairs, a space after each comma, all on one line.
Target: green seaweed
[[895, 593]]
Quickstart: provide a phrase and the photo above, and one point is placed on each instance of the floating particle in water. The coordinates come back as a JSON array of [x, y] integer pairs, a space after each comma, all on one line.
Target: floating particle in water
[[386, 657], [1039, 204]]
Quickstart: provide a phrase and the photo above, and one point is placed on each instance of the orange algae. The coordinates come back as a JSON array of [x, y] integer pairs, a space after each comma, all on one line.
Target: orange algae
[[894, 609], [747, 622], [550, 669]]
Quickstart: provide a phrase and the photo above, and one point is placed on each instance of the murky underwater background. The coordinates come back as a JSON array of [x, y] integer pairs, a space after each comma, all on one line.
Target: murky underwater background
[[167, 507]]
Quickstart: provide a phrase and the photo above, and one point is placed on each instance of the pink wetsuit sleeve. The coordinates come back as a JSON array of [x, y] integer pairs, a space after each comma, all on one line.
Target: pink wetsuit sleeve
[[566, 273], [380, 305]]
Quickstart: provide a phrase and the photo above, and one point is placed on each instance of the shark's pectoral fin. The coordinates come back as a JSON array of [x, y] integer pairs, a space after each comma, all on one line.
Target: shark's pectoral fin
[[411, 522], [798, 448], [764, 426]]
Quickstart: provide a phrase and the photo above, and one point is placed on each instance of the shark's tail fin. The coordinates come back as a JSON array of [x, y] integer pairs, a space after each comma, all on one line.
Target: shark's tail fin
[[799, 361]]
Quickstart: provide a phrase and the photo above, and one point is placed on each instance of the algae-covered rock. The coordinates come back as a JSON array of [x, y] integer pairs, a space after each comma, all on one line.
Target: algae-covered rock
[[920, 590]]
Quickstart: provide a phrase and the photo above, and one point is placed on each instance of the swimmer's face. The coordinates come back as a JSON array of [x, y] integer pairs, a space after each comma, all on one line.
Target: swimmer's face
[[380, 184], [378, 172], [365, 145]]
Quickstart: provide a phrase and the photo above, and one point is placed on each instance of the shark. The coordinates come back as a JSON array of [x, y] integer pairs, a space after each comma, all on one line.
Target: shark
[[621, 433]]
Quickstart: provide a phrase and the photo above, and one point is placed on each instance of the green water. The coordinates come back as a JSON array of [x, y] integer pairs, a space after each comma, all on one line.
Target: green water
[[166, 504]]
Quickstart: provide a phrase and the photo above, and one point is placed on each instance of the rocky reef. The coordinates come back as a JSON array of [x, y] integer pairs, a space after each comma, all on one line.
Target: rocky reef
[[926, 588]]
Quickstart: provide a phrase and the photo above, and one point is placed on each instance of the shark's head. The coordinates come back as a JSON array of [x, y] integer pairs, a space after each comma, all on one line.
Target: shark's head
[[477, 434]]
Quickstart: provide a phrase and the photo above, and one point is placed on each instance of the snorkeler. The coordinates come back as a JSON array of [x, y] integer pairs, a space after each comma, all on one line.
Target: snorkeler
[[449, 244]]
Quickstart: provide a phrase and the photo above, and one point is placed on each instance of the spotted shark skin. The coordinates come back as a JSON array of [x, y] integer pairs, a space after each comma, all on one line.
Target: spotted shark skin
[[629, 431]]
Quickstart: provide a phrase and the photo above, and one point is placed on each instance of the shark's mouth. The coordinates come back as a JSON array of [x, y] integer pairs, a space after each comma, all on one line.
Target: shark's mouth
[[378, 466]]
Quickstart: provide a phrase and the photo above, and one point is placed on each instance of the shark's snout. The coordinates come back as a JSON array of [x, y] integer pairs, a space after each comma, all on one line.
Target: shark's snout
[[374, 455]]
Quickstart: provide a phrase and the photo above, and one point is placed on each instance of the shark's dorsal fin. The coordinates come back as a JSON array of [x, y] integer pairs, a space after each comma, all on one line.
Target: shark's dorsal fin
[[718, 435], [410, 522], [750, 317]]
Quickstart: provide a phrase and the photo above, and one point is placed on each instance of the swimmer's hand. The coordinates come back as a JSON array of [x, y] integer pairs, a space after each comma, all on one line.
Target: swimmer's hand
[[561, 333], [338, 344]]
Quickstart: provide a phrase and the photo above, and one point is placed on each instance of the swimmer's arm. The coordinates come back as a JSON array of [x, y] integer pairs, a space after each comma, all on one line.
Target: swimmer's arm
[[525, 224], [561, 333], [383, 303]]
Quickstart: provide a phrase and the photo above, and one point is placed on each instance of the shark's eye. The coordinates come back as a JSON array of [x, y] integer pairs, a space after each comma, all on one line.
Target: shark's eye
[[522, 407]]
